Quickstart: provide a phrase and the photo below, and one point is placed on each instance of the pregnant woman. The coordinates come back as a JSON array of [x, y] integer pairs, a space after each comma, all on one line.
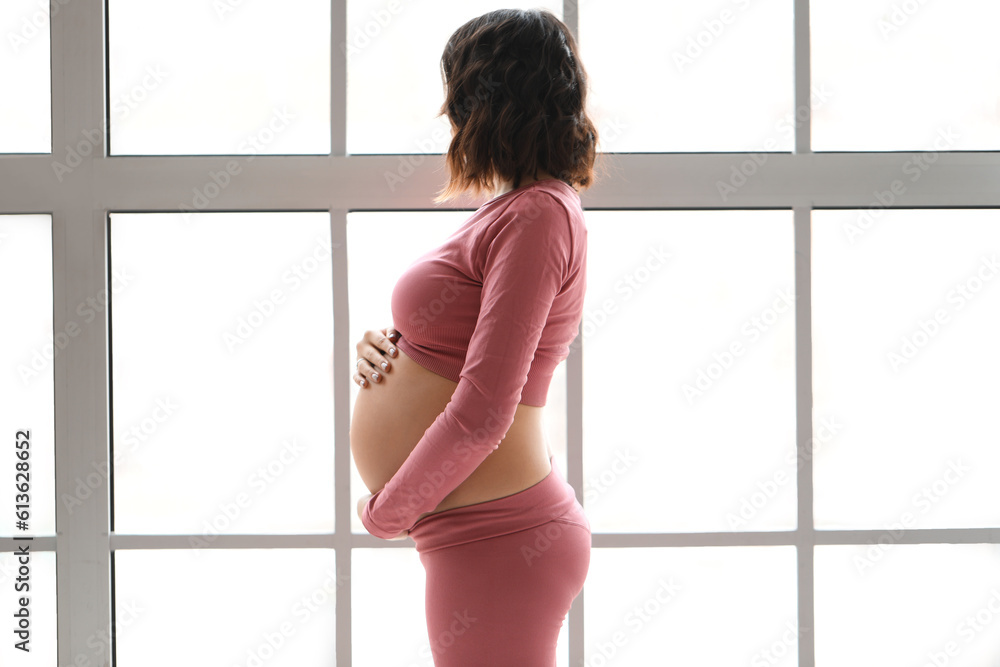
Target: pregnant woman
[[447, 430]]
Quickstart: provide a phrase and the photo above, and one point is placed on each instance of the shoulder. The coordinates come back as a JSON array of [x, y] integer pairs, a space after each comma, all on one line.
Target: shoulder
[[552, 203]]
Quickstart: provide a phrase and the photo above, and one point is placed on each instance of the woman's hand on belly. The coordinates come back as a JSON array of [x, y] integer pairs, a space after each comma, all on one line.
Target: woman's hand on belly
[[374, 350]]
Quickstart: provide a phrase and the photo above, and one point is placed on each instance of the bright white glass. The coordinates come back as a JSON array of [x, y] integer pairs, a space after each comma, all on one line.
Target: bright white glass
[[387, 592], [223, 77], [273, 607], [41, 608], [697, 432], [690, 76], [926, 605], [692, 606], [28, 349], [906, 75], [394, 85], [906, 307], [26, 114], [381, 576], [222, 386], [398, 239]]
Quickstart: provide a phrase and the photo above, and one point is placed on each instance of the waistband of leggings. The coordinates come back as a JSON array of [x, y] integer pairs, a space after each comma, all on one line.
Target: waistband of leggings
[[549, 499]]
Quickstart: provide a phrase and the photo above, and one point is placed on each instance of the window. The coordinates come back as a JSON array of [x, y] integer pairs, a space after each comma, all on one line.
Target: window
[[776, 414]]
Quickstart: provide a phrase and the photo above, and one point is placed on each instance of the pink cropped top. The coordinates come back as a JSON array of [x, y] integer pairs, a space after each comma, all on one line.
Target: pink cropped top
[[494, 308]]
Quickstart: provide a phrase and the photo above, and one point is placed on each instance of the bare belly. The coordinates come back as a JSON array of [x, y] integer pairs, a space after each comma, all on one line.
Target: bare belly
[[391, 416]]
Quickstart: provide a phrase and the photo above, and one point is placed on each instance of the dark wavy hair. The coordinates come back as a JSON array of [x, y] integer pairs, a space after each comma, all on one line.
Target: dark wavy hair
[[516, 94]]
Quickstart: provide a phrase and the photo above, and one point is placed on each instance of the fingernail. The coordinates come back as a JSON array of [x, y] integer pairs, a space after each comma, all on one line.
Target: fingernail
[[363, 383], [385, 365], [375, 377], [392, 351]]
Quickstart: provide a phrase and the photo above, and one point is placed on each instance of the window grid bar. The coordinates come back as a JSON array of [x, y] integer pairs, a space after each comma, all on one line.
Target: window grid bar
[[574, 420], [601, 540], [343, 505], [79, 246], [804, 425], [338, 78], [632, 181], [803, 77]]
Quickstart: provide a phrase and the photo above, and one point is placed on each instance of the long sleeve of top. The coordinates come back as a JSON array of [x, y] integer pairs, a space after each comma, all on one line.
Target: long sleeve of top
[[530, 252]]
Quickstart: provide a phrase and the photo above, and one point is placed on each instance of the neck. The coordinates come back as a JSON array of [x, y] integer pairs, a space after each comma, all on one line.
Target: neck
[[504, 187]]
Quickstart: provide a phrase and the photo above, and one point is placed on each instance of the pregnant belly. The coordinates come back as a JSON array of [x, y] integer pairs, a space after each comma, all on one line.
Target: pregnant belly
[[391, 416]]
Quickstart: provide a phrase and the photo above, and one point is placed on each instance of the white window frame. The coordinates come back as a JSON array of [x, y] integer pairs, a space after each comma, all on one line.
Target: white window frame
[[80, 206]]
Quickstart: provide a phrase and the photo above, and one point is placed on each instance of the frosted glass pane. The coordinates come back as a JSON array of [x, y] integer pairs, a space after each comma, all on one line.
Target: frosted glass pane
[[663, 606], [222, 386], [697, 431], [28, 348], [690, 76], [905, 322], [222, 77], [926, 605], [26, 114], [41, 610], [394, 86], [907, 75], [379, 575], [401, 238], [273, 607]]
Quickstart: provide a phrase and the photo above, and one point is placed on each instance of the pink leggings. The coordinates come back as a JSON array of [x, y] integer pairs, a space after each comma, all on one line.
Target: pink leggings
[[502, 575]]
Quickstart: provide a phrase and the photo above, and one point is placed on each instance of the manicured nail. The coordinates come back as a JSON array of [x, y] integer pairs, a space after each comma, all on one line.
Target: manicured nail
[[375, 377], [385, 365], [392, 351], [363, 383]]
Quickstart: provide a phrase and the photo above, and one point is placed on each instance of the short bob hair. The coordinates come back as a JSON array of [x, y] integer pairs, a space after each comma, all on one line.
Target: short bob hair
[[516, 94]]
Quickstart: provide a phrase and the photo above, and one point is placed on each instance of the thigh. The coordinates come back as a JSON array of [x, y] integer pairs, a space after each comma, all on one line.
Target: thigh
[[503, 600]]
